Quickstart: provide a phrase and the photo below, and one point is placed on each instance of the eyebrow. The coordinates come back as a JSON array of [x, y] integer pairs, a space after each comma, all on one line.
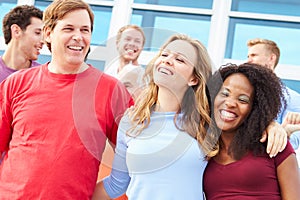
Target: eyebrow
[[227, 89], [180, 54], [224, 88], [86, 26], [170, 51], [83, 26]]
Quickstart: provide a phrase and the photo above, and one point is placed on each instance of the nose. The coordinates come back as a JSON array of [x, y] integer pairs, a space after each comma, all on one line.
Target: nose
[[168, 60], [230, 103], [131, 42], [77, 36]]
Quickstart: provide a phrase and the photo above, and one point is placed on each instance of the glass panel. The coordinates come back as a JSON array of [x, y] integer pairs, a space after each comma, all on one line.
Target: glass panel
[[42, 4], [101, 21], [159, 26], [43, 59], [285, 34], [207, 4], [101, 24], [136, 19], [294, 85], [5, 7], [99, 64], [280, 7]]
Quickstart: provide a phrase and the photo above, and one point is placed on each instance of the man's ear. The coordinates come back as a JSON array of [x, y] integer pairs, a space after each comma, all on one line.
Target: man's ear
[[273, 57], [273, 60], [16, 31], [47, 32]]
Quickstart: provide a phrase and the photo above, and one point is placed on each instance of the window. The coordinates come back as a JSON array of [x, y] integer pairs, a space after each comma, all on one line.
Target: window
[[101, 24], [278, 7], [187, 3], [5, 7], [285, 34], [294, 85], [159, 26], [277, 20], [42, 4]]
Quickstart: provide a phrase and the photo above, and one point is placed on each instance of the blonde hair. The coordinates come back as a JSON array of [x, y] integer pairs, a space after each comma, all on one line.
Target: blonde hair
[[59, 8], [195, 103], [130, 26], [270, 45]]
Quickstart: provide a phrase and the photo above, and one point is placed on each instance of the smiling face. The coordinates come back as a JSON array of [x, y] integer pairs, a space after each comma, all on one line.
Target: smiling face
[[174, 67], [31, 39], [233, 102], [70, 39], [130, 44]]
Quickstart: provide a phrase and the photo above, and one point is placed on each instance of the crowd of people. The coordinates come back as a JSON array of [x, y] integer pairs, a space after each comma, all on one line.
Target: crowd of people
[[178, 130]]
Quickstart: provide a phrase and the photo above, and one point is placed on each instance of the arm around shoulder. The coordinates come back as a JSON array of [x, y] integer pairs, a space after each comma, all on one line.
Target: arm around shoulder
[[277, 138]]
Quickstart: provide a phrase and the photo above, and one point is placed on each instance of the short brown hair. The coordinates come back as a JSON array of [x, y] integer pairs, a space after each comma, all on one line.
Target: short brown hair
[[59, 8]]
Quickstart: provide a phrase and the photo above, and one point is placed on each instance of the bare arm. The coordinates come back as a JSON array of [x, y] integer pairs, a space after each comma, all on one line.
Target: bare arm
[[277, 138], [100, 193], [289, 178]]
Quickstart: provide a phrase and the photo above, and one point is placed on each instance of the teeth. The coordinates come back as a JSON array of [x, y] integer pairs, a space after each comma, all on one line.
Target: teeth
[[165, 71], [227, 114], [77, 48], [130, 51]]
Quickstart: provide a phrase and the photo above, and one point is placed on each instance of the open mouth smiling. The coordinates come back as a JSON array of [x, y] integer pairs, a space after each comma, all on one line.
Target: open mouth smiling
[[131, 51], [165, 70], [227, 114], [76, 48]]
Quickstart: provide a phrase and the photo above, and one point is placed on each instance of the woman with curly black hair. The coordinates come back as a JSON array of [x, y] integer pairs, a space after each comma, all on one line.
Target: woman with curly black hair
[[245, 100]]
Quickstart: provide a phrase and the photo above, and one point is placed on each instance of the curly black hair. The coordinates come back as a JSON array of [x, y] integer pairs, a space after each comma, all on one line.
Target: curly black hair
[[268, 100]]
